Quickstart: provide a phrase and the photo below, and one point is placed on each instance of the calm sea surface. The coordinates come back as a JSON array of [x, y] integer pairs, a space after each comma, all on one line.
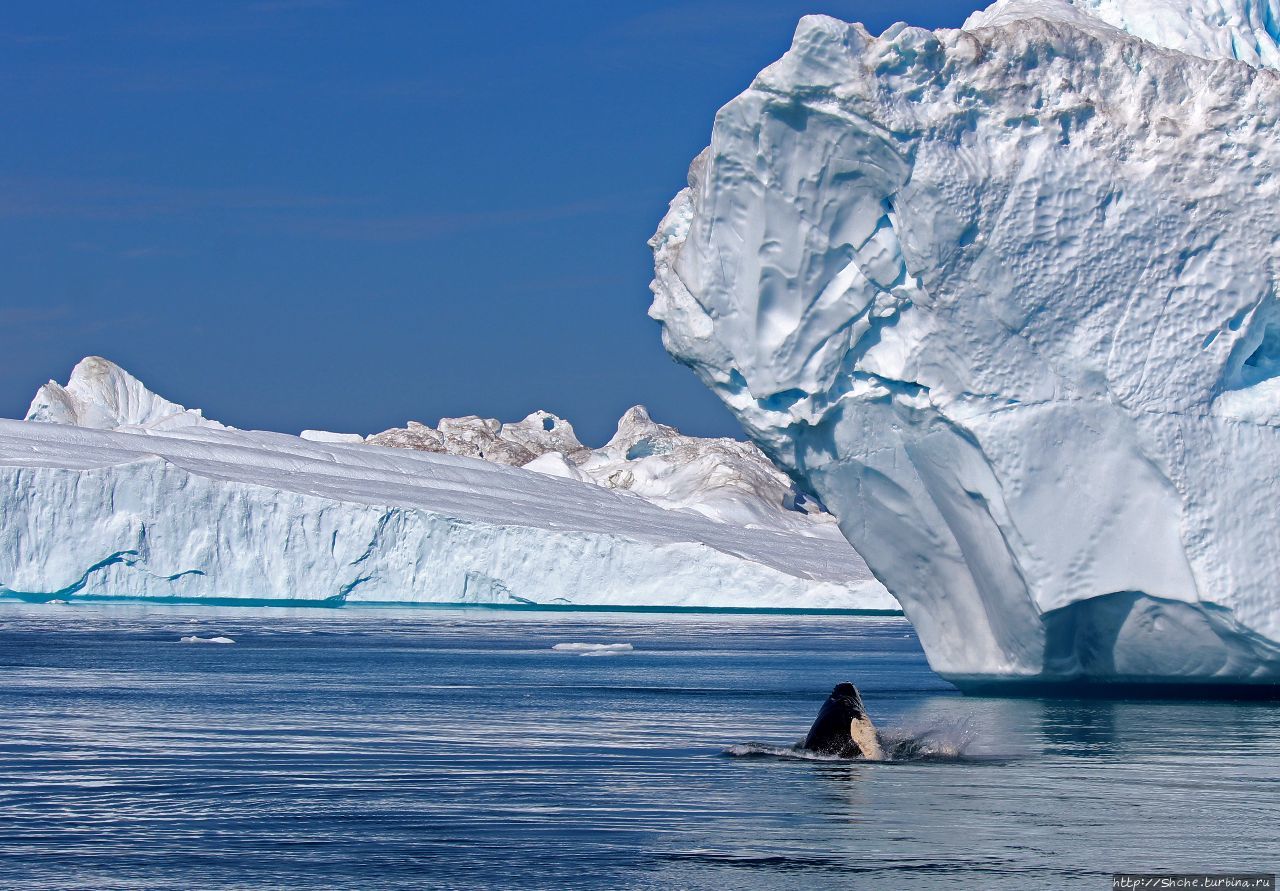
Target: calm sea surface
[[457, 749]]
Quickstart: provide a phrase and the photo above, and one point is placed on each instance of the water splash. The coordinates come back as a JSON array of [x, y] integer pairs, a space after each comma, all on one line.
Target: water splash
[[942, 740], [939, 741]]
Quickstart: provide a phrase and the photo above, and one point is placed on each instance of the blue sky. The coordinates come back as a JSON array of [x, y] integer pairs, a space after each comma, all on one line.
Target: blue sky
[[314, 213]]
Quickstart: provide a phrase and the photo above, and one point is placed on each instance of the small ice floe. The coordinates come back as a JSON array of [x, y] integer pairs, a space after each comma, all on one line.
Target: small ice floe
[[214, 640], [594, 649], [57, 602]]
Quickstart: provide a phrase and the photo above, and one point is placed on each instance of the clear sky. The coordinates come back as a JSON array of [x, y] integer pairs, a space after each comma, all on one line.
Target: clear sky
[[316, 213]]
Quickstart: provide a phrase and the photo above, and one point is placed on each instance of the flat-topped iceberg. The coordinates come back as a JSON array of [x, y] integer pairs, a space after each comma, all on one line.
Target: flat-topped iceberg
[[153, 500], [1005, 298]]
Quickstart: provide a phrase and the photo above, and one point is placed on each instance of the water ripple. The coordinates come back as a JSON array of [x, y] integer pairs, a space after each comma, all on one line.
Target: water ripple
[[364, 749]]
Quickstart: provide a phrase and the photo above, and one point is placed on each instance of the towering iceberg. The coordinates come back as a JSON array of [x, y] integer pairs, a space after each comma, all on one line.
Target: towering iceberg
[[118, 492], [1005, 298]]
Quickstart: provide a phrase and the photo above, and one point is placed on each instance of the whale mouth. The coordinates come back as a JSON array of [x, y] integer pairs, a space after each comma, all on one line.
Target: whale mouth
[[856, 711]]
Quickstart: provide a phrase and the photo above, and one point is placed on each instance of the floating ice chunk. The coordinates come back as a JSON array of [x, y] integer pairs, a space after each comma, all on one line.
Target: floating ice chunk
[[196, 639], [593, 649]]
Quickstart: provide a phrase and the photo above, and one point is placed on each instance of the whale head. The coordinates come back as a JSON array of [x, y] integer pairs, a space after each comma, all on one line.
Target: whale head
[[847, 696], [842, 727]]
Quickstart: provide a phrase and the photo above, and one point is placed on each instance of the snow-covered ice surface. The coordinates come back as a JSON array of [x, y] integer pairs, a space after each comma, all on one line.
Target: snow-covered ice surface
[[1005, 297], [201, 511], [327, 436]]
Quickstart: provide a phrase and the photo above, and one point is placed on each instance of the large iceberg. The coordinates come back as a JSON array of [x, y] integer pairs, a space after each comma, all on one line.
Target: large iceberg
[[112, 491], [1005, 298]]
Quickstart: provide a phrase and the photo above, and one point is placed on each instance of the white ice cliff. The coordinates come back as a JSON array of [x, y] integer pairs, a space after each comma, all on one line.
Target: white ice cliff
[[190, 509], [1005, 298]]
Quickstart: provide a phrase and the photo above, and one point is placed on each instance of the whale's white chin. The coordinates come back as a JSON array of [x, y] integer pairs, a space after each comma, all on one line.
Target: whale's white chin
[[864, 736]]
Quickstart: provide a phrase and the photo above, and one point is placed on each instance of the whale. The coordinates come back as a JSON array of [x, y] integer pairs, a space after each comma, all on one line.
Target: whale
[[842, 728]]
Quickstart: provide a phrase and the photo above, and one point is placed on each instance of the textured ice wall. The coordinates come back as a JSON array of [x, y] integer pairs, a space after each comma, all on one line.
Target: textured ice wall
[[1005, 298], [217, 513]]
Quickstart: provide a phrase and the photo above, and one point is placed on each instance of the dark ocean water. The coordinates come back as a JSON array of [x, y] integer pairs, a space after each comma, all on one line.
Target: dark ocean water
[[457, 749]]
